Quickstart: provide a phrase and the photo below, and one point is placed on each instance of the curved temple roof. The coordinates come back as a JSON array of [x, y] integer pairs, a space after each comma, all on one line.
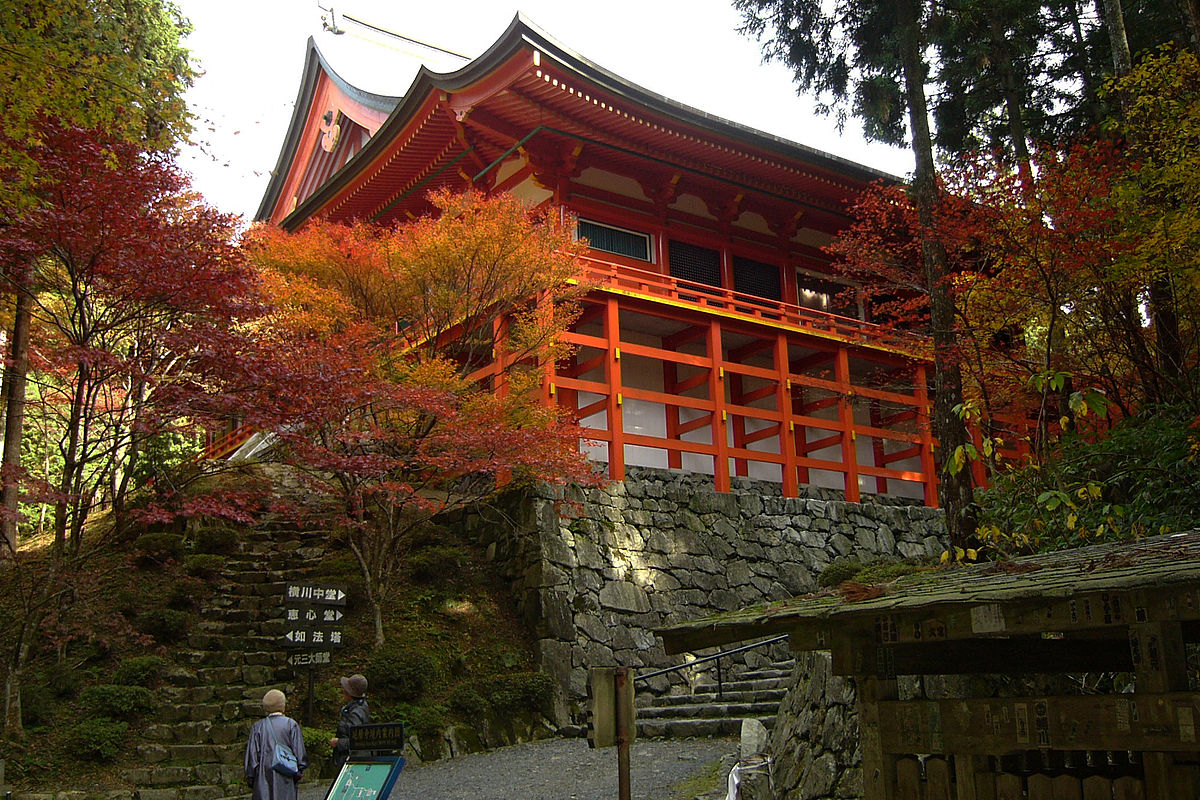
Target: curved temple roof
[[528, 85]]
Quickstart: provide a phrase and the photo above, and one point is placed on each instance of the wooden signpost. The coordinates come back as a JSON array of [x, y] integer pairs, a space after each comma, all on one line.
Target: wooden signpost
[[312, 615], [612, 718]]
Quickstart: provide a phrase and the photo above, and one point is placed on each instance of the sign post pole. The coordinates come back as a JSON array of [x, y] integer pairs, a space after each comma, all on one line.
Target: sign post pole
[[624, 722], [308, 712]]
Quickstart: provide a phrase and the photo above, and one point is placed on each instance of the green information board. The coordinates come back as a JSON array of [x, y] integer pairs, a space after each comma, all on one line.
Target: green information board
[[366, 779]]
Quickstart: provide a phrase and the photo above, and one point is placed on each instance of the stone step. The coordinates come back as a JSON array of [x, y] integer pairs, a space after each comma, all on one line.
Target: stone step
[[199, 755], [228, 658], [159, 775], [759, 696], [708, 710], [753, 685], [268, 639], [761, 674], [694, 728], [199, 733], [202, 712]]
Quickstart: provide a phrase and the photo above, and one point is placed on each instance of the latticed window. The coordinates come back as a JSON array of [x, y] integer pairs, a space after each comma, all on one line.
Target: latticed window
[[824, 295], [756, 278], [618, 241], [692, 262]]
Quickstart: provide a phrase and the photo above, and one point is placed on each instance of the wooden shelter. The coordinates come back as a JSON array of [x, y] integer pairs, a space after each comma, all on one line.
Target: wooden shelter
[[716, 340], [1122, 608]]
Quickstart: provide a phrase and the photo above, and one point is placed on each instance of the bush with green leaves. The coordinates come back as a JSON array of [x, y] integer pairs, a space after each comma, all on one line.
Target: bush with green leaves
[[37, 703], [140, 671], [156, 549], [401, 671], [166, 625], [203, 565], [423, 719], [1138, 480], [316, 742], [113, 700], [97, 739], [518, 691], [216, 541], [436, 562]]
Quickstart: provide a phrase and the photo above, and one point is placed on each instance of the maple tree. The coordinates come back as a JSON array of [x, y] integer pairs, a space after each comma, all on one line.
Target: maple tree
[[137, 296], [413, 359], [115, 65]]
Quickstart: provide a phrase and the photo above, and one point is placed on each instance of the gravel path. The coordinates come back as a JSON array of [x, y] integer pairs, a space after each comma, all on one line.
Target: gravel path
[[560, 769]]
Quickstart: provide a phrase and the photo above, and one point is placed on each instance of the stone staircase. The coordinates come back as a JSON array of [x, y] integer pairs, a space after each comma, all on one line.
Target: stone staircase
[[755, 693], [194, 746]]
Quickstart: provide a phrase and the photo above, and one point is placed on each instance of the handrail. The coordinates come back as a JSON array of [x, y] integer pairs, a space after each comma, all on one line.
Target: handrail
[[714, 657], [613, 275]]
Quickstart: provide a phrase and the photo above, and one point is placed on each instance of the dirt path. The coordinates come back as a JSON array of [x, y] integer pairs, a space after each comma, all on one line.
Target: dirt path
[[566, 769]]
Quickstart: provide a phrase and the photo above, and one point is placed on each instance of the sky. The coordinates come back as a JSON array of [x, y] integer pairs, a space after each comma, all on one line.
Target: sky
[[251, 53]]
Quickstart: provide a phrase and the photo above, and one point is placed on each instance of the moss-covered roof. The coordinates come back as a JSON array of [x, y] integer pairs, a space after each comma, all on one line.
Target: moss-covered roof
[[1158, 563]]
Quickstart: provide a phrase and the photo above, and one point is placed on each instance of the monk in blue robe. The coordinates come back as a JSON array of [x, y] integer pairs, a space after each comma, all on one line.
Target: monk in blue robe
[[266, 782]]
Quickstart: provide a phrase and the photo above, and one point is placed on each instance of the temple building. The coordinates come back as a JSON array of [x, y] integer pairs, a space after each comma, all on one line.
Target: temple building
[[716, 339]]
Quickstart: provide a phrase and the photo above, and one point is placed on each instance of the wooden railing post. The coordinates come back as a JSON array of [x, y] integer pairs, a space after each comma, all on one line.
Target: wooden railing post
[[924, 417], [783, 402], [616, 422], [846, 418]]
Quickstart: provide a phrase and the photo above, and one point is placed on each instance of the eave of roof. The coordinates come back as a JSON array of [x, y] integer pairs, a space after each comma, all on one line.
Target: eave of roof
[[1152, 563], [522, 34], [315, 65]]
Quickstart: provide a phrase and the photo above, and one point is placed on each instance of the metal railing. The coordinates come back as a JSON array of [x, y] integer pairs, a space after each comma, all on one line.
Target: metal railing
[[714, 657]]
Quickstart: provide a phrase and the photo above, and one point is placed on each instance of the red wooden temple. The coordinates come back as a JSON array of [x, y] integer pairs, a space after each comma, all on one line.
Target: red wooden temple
[[716, 339]]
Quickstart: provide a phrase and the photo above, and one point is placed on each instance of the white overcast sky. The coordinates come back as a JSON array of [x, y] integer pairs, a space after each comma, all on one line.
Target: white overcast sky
[[252, 51]]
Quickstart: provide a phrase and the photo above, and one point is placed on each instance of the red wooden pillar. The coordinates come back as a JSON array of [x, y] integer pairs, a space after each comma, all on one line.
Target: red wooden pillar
[[616, 423], [737, 396], [924, 415], [877, 448], [716, 392], [783, 402], [846, 418], [671, 387], [499, 357]]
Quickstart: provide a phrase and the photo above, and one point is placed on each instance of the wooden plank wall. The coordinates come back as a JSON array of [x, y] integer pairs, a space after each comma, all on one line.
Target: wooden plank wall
[[936, 778]]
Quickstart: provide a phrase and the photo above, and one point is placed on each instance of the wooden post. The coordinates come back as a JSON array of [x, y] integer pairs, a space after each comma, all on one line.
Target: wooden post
[[846, 418], [783, 402], [879, 769], [924, 415], [973, 778], [1160, 665], [716, 392], [616, 421]]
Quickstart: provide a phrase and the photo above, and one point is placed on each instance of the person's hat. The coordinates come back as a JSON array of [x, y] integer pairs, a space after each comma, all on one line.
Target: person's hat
[[355, 685], [273, 701]]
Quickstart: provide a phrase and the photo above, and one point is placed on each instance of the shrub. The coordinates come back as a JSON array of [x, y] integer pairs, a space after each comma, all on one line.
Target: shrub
[[887, 571], [216, 541], [424, 720], [139, 671], [164, 624], [401, 671], [515, 691], [837, 572], [155, 549], [62, 680], [203, 565], [96, 739], [316, 742], [36, 704], [111, 700], [468, 703], [436, 563]]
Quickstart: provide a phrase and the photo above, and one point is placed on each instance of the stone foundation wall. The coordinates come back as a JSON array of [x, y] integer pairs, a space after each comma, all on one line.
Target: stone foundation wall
[[597, 571]]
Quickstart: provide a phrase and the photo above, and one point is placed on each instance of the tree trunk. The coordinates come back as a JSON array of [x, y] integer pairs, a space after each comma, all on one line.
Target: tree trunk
[[71, 465], [954, 489], [1114, 23], [14, 383], [1190, 11], [1012, 96]]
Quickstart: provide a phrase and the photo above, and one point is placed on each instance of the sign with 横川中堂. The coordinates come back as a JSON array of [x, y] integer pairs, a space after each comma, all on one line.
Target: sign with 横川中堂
[[311, 616], [314, 593]]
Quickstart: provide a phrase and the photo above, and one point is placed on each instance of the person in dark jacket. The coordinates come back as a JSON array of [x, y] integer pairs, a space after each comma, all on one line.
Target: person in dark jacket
[[354, 712], [260, 749]]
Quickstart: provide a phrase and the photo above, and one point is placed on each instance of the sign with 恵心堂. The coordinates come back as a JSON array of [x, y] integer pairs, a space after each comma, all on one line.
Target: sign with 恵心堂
[[312, 619]]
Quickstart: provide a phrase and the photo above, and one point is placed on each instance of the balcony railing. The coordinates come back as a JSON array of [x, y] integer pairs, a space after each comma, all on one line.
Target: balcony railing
[[611, 276]]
